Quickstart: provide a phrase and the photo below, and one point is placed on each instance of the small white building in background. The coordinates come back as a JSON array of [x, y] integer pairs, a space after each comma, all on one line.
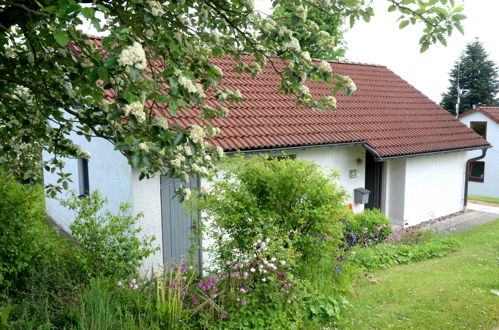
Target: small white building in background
[[483, 175], [387, 137]]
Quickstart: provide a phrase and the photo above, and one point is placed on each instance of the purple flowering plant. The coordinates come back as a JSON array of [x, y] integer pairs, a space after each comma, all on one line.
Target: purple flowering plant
[[367, 228]]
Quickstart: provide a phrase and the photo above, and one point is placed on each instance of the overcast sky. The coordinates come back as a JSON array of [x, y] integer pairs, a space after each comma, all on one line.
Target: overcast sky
[[381, 42]]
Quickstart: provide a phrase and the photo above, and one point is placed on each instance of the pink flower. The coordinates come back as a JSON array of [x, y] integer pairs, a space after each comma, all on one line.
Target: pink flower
[[224, 316], [240, 265], [243, 302], [228, 262], [65, 298], [133, 281], [289, 301]]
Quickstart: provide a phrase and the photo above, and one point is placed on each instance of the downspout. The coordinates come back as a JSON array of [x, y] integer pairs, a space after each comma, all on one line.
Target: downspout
[[466, 181], [377, 156]]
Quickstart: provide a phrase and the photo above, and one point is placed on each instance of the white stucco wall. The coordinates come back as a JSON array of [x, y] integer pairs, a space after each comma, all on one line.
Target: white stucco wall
[[109, 172], [433, 187], [393, 190], [342, 159], [490, 185], [147, 199]]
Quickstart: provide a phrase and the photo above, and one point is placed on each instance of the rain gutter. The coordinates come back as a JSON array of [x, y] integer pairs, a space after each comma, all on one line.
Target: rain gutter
[[428, 153], [377, 156], [313, 146]]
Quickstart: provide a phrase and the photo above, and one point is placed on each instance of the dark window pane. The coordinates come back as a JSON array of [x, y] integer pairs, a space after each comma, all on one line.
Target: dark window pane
[[477, 170], [84, 183], [479, 128]]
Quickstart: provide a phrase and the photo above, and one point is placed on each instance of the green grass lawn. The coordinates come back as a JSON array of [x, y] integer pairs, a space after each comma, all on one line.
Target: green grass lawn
[[453, 292], [483, 199]]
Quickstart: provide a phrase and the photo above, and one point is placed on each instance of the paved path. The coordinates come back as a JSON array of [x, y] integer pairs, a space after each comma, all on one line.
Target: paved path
[[483, 208], [465, 221]]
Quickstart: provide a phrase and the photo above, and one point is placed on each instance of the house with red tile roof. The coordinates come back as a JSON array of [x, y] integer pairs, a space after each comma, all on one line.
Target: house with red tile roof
[[483, 174], [387, 138]]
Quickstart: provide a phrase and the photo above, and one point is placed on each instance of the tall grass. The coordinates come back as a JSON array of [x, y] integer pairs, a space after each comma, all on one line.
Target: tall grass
[[98, 309]]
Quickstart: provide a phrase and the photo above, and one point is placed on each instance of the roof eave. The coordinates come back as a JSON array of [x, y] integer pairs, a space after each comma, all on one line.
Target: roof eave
[[381, 158]]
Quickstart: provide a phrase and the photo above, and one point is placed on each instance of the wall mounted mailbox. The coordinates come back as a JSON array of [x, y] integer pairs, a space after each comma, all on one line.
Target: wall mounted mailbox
[[361, 195]]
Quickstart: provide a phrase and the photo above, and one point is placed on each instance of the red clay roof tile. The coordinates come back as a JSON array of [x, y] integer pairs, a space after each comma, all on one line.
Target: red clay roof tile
[[491, 112], [385, 112]]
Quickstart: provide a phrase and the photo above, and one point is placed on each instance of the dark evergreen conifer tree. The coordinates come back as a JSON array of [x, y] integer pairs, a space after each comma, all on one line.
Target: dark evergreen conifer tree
[[478, 75]]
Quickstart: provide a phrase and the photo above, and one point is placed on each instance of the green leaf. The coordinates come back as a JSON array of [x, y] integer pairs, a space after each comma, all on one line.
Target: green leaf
[[103, 74], [403, 24], [88, 12], [61, 38], [442, 39], [129, 97], [121, 146], [162, 99], [424, 47], [178, 139]]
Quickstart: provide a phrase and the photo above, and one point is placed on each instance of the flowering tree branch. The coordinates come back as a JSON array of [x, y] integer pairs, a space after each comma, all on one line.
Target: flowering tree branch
[[57, 81]]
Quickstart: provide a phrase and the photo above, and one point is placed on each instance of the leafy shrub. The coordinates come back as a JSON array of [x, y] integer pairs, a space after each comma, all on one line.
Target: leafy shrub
[[291, 202], [18, 249], [368, 227], [37, 265], [110, 242], [386, 255]]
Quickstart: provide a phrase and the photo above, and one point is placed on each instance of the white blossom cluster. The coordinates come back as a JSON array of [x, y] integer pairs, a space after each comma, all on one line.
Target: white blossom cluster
[[156, 8], [196, 133], [194, 88], [136, 109], [218, 70], [216, 35], [211, 131], [350, 84], [269, 24], [330, 100], [224, 94], [199, 169], [161, 122], [144, 146], [219, 151], [292, 45], [306, 56], [187, 193], [325, 40], [133, 56], [284, 31], [178, 160], [304, 90], [301, 12], [325, 67]]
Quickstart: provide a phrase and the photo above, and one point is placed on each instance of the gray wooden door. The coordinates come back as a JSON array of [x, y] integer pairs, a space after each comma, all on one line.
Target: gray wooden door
[[177, 225]]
